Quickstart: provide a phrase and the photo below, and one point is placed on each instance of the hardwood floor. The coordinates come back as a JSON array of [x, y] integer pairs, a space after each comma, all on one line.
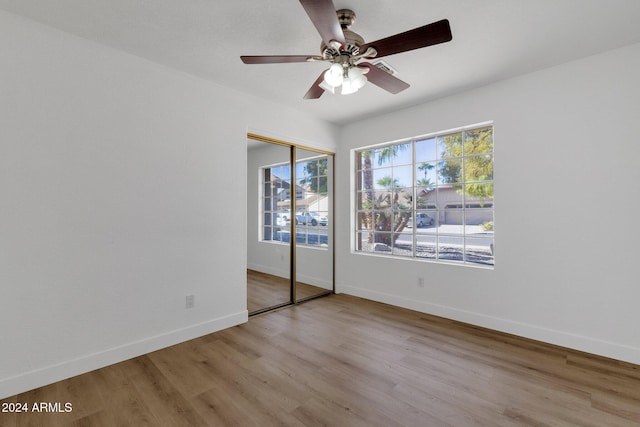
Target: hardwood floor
[[344, 361], [265, 290]]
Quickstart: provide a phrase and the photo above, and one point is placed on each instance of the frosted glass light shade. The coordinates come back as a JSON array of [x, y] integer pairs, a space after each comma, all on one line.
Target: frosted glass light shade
[[348, 87], [333, 76], [357, 78], [325, 86]]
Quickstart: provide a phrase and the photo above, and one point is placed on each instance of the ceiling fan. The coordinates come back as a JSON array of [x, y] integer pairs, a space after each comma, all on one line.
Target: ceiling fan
[[345, 50]]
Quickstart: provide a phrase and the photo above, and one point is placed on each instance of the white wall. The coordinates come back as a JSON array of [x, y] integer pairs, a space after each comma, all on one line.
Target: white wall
[[566, 209], [117, 179]]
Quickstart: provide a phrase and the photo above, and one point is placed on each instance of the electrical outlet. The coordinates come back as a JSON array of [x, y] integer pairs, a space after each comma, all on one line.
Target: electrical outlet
[[191, 301], [421, 282]]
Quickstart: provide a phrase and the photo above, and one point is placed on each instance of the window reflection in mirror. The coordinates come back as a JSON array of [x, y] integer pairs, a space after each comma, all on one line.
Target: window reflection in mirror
[[314, 224], [268, 251]]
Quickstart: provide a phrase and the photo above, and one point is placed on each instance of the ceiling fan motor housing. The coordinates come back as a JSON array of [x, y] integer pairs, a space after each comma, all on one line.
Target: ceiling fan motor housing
[[346, 17]]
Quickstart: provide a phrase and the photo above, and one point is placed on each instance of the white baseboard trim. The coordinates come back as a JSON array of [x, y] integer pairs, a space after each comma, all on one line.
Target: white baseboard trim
[[50, 374], [311, 280], [595, 346], [268, 270]]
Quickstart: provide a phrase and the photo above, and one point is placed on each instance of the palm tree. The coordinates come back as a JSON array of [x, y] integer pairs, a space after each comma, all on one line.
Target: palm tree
[[388, 183], [425, 167], [425, 183], [378, 216]]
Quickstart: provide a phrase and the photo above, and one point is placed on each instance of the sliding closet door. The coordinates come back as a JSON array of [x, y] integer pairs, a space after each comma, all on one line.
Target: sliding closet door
[[269, 219], [290, 241], [314, 224]]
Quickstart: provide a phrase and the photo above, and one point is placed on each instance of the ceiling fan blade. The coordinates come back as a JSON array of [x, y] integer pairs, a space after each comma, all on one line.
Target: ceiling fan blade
[[383, 79], [315, 91], [323, 15], [279, 59], [428, 35]]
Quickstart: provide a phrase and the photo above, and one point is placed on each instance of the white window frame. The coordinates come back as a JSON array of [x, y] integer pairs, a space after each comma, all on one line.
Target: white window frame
[[470, 244]]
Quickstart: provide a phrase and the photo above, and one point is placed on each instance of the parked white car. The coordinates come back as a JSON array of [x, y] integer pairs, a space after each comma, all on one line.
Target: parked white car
[[283, 218], [422, 220], [311, 218]]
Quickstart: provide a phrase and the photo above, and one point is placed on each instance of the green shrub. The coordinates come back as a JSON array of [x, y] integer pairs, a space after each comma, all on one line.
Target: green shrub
[[488, 226]]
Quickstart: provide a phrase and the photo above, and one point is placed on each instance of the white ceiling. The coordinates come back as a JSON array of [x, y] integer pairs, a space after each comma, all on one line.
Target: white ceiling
[[492, 40]]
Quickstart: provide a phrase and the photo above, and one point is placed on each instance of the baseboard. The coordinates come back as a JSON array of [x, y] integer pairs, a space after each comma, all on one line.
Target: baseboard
[[269, 270], [311, 280], [48, 375], [568, 340]]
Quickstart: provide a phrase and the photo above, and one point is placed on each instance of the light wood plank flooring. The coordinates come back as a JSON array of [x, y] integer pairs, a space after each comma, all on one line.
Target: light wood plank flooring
[[344, 361]]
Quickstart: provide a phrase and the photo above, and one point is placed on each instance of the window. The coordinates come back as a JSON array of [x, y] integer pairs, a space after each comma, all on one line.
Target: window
[[312, 202], [276, 185], [428, 198]]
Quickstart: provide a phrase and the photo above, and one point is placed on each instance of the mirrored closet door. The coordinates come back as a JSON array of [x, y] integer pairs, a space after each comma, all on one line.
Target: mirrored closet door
[[314, 224], [289, 224], [268, 226]]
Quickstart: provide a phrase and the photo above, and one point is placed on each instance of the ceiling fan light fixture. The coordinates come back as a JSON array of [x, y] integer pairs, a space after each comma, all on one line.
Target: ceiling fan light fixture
[[357, 77], [334, 75], [348, 87], [326, 87]]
